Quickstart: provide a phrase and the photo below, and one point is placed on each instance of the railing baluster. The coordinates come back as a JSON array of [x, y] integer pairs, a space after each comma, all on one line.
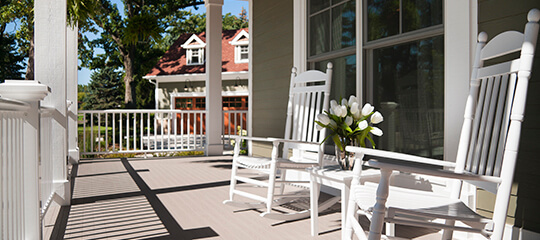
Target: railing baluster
[[121, 135], [175, 131], [155, 130], [84, 133], [148, 130], [99, 132], [113, 131], [92, 132], [134, 131], [106, 131]]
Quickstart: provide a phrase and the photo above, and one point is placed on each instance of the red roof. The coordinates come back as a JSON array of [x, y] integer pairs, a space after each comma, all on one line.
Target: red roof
[[174, 62]]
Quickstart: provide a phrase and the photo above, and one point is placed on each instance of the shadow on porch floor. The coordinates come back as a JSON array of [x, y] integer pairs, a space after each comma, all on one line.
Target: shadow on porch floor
[[173, 198]]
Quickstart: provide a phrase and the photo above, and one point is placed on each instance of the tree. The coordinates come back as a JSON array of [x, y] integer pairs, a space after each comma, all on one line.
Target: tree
[[127, 37], [104, 90], [22, 13], [196, 23], [10, 61]]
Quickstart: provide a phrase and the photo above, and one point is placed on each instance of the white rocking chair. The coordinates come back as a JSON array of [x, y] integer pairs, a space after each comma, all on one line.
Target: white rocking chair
[[486, 156], [308, 96]]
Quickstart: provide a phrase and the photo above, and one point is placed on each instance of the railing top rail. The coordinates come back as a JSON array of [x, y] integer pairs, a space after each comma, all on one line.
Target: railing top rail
[[139, 111], [7, 104]]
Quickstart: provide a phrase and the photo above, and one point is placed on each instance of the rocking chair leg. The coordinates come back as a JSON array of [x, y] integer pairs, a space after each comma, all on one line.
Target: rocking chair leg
[[233, 181], [447, 233], [282, 178], [271, 187]]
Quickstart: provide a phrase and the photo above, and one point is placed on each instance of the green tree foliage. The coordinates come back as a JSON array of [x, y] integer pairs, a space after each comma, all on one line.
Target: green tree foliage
[[10, 61], [104, 91], [20, 12], [128, 35], [196, 23]]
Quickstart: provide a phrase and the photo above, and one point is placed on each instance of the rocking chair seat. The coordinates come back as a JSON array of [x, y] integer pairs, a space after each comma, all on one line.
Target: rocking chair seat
[[426, 204]]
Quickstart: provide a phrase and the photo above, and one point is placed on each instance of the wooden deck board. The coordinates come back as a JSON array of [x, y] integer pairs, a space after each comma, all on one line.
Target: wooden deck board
[[173, 198]]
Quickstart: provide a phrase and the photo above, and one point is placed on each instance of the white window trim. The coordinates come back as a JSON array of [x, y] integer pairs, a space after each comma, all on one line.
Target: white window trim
[[238, 45], [190, 47], [238, 54]]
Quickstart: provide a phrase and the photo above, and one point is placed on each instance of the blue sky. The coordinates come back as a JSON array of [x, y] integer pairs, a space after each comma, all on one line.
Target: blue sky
[[230, 6]]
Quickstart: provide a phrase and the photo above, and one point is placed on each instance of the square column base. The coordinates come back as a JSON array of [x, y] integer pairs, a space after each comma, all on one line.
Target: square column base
[[214, 150]]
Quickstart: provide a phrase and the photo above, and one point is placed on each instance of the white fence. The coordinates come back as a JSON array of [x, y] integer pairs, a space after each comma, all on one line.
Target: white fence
[[150, 131]]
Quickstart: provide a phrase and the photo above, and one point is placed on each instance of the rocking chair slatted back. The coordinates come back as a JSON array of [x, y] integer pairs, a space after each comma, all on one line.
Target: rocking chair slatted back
[[308, 94], [496, 103]]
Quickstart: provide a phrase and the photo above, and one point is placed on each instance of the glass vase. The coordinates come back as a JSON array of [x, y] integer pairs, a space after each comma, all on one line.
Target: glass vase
[[345, 159]]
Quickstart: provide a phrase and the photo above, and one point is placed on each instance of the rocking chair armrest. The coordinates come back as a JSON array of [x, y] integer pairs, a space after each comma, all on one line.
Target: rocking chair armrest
[[427, 170], [273, 140], [258, 139], [398, 157], [293, 141]]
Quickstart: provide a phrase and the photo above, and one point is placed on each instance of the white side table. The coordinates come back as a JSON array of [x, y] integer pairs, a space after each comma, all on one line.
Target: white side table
[[331, 176]]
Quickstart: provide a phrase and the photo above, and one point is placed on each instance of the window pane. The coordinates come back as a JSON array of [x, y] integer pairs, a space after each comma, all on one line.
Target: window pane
[[318, 5], [408, 89], [184, 103], [419, 14], [383, 18], [318, 33], [343, 26], [343, 76]]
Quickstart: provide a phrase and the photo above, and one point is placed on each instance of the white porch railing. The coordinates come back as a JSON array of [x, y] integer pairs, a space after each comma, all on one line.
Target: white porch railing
[[150, 131], [11, 168], [26, 190]]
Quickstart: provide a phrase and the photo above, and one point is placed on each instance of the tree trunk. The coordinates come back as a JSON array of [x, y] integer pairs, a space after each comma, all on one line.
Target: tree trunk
[[30, 67], [128, 80]]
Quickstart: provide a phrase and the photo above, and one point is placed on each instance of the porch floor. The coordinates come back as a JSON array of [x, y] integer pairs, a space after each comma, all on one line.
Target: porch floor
[[175, 198]]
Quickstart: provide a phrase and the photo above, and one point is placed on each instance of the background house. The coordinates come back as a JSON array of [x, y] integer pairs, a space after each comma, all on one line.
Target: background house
[[179, 78], [180, 74], [370, 54]]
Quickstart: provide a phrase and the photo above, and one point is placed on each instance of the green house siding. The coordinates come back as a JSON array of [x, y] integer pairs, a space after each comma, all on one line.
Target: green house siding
[[494, 17], [272, 40]]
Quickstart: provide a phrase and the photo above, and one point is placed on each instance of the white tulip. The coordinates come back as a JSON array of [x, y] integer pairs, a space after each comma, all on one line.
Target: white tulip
[[323, 118], [319, 127], [344, 102], [363, 125], [357, 115], [367, 109], [352, 99], [343, 111], [336, 110], [348, 120], [376, 117], [355, 108], [332, 123], [333, 104], [376, 131]]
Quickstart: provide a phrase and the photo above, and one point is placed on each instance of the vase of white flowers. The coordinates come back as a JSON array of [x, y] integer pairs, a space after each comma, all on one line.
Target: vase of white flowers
[[350, 125]]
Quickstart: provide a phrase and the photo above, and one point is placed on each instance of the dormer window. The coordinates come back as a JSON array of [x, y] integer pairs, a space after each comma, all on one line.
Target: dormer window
[[194, 50], [195, 56], [241, 47]]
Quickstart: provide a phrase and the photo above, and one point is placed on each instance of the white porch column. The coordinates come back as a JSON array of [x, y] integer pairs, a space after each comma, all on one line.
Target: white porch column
[[214, 113], [72, 105], [31, 92], [50, 36]]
